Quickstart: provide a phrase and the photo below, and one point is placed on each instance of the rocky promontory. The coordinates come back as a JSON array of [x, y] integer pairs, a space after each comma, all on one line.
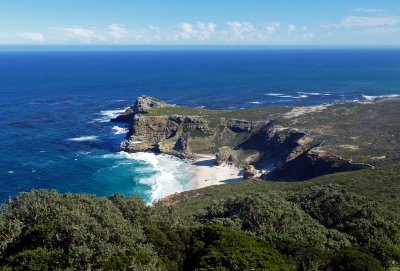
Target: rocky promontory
[[285, 143]]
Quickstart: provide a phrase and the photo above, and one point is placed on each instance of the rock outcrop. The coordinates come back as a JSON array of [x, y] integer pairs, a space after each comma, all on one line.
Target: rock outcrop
[[240, 126], [142, 106], [249, 172], [159, 133], [283, 152], [223, 155]]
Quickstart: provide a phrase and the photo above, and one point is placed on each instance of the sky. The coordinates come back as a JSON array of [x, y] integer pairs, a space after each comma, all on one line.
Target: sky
[[195, 22]]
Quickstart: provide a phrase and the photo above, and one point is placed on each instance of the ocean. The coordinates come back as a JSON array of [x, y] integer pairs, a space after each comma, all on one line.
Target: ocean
[[55, 106]]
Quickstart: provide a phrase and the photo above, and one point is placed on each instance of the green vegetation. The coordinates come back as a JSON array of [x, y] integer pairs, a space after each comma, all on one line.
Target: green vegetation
[[363, 133], [344, 221]]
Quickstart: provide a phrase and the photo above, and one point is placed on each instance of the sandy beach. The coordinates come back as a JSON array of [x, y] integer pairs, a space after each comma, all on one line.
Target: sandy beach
[[207, 174]]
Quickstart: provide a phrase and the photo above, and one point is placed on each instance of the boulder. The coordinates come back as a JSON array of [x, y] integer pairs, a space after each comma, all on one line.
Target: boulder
[[249, 172], [240, 126], [223, 155]]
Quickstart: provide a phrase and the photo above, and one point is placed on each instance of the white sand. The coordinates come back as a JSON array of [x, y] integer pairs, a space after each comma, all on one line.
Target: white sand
[[302, 110], [207, 174]]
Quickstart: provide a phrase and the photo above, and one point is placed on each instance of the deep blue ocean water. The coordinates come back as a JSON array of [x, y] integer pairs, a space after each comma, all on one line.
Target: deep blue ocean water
[[54, 106]]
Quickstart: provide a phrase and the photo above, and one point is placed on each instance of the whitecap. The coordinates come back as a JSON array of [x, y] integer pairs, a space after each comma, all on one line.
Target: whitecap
[[107, 115], [286, 96], [170, 175], [255, 102], [274, 94], [303, 96], [119, 130], [314, 93], [84, 138], [372, 98]]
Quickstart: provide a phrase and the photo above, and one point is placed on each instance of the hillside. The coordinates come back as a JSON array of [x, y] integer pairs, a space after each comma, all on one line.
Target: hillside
[[343, 221], [342, 215], [286, 143]]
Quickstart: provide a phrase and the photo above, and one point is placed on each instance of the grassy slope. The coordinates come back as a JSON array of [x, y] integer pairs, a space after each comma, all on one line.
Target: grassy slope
[[381, 184], [367, 133]]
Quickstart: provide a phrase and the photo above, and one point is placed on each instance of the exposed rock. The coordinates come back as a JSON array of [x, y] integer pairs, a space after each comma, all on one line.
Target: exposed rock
[[240, 126], [163, 133], [303, 110], [142, 106], [249, 172], [273, 145], [190, 122], [312, 164], [125, 117], [145, 103], [223, 155]]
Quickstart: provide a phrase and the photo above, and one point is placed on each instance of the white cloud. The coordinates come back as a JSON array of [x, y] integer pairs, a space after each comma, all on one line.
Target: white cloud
[[367, 10], [272, 27], [360, 21], [200, 31], [291, 28], [307, 34], [112, 33], [85, 35], [246, 32], [117, 31], [382, 30], [32, 36], [240, 30]]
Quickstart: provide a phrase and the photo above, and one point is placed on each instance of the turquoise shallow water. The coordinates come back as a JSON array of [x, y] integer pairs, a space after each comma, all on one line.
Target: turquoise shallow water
[[55, 106]]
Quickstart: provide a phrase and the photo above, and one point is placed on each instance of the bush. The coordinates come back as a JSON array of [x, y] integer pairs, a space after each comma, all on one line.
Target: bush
[[83, 229], [349, 213], [273, 218], [355, 260], [170, 244], [219, 248]]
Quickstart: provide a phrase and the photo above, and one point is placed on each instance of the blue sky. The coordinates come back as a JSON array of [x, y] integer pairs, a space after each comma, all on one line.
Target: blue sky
[[206, 22]]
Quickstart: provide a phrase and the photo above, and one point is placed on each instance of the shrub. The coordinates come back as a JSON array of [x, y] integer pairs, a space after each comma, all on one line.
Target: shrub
[[219, 248]]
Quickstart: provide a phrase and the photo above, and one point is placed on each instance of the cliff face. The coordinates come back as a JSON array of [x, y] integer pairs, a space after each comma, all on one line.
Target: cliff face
[[271, 139], [160, 133]]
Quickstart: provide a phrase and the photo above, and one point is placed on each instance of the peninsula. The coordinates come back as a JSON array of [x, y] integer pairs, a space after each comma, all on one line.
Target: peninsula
[[283, 143]]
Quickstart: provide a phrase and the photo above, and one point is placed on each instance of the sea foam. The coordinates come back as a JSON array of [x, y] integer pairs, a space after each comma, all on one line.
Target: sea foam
[[274, 94], [106, 115], [84, 138], [372, 98], [170, 174], [119, 130]]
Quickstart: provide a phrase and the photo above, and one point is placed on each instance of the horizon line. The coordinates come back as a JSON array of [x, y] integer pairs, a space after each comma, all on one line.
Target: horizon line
[[103, 47]]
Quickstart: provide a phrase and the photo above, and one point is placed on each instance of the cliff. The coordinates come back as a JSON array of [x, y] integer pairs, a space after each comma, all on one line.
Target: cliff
[[285, 143]]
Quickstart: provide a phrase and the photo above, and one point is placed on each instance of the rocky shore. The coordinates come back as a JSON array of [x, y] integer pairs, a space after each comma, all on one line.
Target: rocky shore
[[273, 143]]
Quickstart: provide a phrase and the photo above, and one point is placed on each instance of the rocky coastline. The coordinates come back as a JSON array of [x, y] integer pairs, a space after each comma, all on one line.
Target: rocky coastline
[[276, 145]]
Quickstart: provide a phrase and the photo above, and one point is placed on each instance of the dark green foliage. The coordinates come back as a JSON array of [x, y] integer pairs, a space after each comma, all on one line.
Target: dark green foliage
[[354, 260], [36, 259], [349, 213], [82, 229], [219, 248], [170, 244], [273, 218], [131, 260], [346, 221], [132, 208]]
